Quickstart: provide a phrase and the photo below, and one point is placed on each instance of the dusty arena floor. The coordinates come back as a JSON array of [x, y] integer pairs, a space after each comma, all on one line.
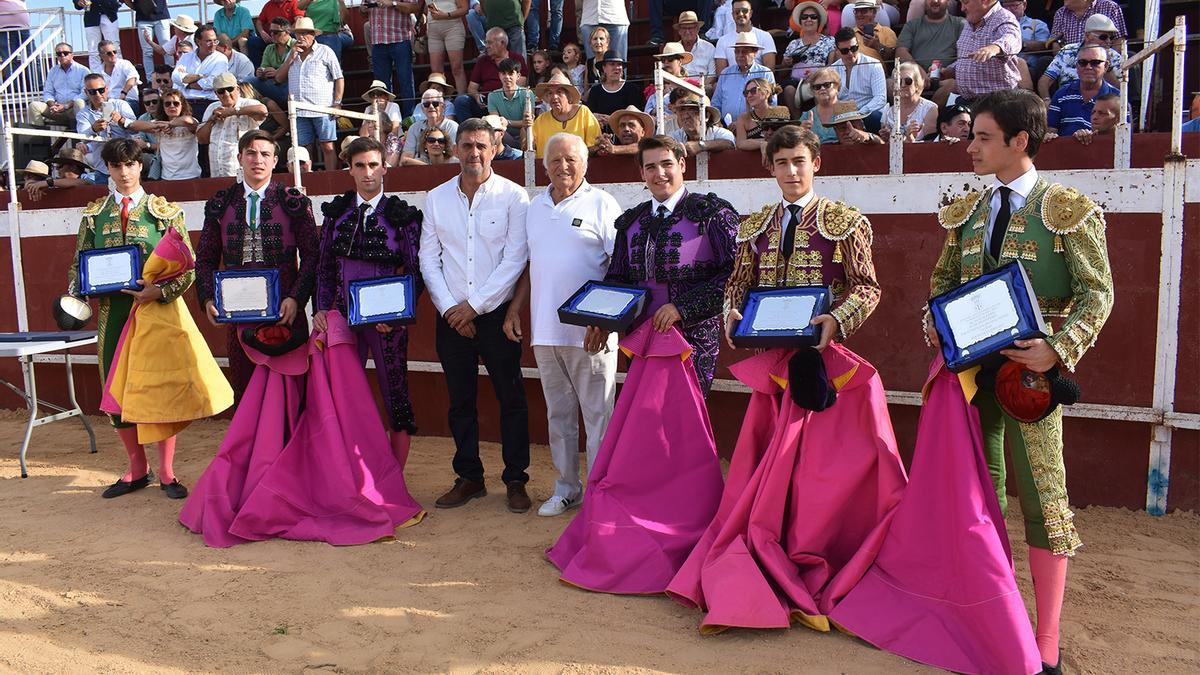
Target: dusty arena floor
[[119, 586]]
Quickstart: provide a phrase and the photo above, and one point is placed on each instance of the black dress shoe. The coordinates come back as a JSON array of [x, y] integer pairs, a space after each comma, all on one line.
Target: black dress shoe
[[1048, 669], [122, 488], [174, 490]]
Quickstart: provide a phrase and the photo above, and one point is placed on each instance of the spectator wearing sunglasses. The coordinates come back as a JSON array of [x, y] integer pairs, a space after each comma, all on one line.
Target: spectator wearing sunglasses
[[1071, 108], [435, 148], [918, 116], [175, 128], [119, 74], [862, 78], [1101, 32], [62, 97], [1070, 20], [273, 57], [151, 164], [224, 124], [102, 117], [433, 102], [825, 84]]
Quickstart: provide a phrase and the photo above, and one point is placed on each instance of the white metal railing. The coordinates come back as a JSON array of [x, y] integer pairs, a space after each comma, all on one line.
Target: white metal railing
[[294, 106], [661, 77], [23, 72]]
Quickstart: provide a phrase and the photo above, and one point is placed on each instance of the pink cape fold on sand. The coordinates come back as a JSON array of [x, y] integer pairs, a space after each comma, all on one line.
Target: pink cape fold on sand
[[656, 481], [807, 500], [336, 480], [942, 590], [262, 425]]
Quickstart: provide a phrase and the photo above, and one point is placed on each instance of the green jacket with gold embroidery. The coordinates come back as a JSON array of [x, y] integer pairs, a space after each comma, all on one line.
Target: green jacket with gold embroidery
[[1058, 235]]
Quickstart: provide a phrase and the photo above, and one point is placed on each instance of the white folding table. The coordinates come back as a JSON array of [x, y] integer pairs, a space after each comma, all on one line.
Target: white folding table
[[23, 346]]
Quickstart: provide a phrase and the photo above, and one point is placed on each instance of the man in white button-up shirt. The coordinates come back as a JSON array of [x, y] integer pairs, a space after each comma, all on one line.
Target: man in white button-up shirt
[[571, 236], [195, 72], [473, 250]]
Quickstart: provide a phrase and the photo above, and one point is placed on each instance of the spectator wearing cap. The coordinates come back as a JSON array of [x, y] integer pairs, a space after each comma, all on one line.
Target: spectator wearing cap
[[485, 76], [674, 59], [101, 117], [861, 77], [224, 123], [261, 37], [1100, 33], [233, 21], [610, 15], [99, 21], [196, 70], [1070, 21], [393, 23], [434, 104], [703, 62], [729, 94], [273, 57], [1035, 38], [825, 84], [566, 114], [500, 125], [1071, 108], [511, 101], [239, 63], [987, 53], [687, 107], [120, 75], [727, 45], [810, 50], [72, 169], [1106, 114], [613, 92], [62, 95], [153, 21], [954, 124], [629, 127], [301, 152], [875, 39], [316, 78], [889, 13], [933, 36], [848, 124]]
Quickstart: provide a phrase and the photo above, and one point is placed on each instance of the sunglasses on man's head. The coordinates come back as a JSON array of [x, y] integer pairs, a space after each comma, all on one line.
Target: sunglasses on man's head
[[818, 86], [65, 53], [1090, 63], [224, 90], [848, 50], [97, 90]]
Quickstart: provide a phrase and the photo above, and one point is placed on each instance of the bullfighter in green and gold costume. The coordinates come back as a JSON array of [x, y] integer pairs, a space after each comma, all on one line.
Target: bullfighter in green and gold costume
[[1058, 235]]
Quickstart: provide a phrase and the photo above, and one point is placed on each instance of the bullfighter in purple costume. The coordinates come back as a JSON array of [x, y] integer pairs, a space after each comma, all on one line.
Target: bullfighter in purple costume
[[368, 234], [680, 245], [237, 236]]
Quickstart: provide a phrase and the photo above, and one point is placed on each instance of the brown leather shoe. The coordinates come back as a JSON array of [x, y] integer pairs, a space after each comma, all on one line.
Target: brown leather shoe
[[518, 499], [462, 492]]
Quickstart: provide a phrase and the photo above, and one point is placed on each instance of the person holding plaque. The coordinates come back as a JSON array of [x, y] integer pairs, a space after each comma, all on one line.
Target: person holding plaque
[[130, 216], [367, 234], [1057, 234], [680, 245], [258, 224], [815, 474]]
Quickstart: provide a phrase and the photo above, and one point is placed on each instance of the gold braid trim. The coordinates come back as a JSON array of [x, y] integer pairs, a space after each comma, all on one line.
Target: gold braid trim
[[958, 211], [165, 211], [95, 207], [756, 223], [1065, 209], [1043, 445], [836, 220]]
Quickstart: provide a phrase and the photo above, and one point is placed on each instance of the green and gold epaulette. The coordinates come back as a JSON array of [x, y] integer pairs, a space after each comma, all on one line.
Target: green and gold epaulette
[[1064, 209], [837, 220], [756, 223], [956, 212], [162, 209], [95, 206]]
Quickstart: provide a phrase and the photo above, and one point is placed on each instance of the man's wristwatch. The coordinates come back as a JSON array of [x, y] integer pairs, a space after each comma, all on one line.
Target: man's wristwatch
[[700, 144], [49, 181]]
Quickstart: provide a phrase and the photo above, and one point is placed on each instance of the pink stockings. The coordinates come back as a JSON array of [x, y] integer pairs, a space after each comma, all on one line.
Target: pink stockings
[[1049, 582], [400, 445], [138, 466]]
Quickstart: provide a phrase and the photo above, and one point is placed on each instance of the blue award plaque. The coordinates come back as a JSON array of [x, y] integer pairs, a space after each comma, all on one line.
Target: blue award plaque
[[247, 295], [781, 317], [985, 315], [604, 304], [387, 300], [109, 270]]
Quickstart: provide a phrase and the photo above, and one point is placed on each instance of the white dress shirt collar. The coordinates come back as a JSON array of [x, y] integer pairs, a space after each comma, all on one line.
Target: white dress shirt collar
[[373, 202], [1023, 184], [261, 192], [136, 197], [802, 202], [671, 202]]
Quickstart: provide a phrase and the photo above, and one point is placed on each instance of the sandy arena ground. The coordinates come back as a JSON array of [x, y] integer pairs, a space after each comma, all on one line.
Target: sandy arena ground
[[90, 585]]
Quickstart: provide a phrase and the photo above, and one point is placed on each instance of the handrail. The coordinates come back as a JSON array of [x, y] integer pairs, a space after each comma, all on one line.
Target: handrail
[[1178, 38], [21, 49], [294, 105]]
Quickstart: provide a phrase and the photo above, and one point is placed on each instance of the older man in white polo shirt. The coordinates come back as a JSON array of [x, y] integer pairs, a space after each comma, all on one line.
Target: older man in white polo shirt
[[571, 235]]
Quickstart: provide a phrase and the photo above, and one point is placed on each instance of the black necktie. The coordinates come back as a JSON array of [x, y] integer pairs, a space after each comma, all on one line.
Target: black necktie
[[789, 232], [1001, 224], [662, 212]]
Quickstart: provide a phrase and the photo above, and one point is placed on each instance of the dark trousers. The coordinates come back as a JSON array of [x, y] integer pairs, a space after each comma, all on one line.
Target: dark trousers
[[460, 357]]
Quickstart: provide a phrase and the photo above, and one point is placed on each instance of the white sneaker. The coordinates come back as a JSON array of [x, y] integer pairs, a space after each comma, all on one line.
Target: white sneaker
[[556, 506]]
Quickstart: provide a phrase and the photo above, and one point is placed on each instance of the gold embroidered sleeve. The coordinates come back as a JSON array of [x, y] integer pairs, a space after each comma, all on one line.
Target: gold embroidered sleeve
[[742, 277], [179, 285], [1091, 291], [947, 271], [864, 292], [84, 241]]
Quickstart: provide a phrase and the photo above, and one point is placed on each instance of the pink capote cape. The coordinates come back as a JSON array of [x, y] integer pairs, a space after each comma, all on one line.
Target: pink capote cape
[[807, 500], [262, 425], [336, 479], [656, 480], [942, 590]]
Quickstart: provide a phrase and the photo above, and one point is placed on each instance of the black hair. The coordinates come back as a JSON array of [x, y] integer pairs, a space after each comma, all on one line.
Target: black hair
[[164, 69], [1015, 110], [792, 136], [660, 141], [360, 145], [121, 151], [845, 34], [509, 65], [256, 135]]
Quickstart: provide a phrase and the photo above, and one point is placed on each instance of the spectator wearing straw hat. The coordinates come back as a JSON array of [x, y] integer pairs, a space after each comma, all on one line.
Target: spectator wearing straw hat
[[225, 122], [674, 59], [848, 123], [613, 92], [434, 105], [153, 20], [765, 55], [62, 96], [99, 22], [687, 27], [120, 75], [183, 31], [437, 80], [273, 57], [33, 172], [391, 34], [195, 72], [72, 170], [566, 114], [379, 96], [485, 76], [629, 127], [728, 95], [261, 37], [315, 78], [811, 48], [687, 107]]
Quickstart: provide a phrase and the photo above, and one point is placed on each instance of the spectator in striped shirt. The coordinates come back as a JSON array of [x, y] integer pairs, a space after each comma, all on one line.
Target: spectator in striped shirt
[[1070, 20], [1071, 109], [988, 50], [392, 23]]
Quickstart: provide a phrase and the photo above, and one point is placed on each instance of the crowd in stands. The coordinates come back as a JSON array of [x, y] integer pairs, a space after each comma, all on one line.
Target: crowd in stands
[[853, 71]]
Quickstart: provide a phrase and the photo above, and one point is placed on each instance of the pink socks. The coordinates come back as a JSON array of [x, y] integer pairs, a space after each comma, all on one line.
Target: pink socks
[[166, 461], [400, 444], [1049, 582], [138, 466]]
